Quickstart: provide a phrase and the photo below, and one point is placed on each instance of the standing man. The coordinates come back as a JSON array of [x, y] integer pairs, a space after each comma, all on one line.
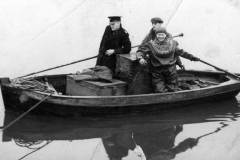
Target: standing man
[[115, 40], [157, 25], [163, 52]]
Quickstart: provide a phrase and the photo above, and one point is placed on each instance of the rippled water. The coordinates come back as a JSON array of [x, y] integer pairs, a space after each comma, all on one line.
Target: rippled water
[[206, 131]]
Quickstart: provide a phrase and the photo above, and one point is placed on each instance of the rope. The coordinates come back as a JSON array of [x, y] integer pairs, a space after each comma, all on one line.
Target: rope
[[169, 19], [49, 26], [95, 150], [27, 144], [173, 13], [32, 84], [58, 20], [25, 113]]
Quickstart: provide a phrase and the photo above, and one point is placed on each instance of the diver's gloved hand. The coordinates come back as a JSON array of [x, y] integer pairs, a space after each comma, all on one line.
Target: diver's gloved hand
[[193, 58], [190, 142], [181, 67]]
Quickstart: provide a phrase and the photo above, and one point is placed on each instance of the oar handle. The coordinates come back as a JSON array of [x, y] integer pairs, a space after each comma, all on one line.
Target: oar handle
[[136, 46], [178, 35], [57, 67], [220, 69]]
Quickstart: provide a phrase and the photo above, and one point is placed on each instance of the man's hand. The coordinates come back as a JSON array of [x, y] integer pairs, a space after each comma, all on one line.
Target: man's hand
[[138, 150], [142, 61], [109, 52]]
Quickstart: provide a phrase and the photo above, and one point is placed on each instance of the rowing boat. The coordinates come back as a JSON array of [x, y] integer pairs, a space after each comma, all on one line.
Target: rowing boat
[[217, 85]]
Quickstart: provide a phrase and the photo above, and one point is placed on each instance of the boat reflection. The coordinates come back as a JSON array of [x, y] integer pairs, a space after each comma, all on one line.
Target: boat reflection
[[151, 136]]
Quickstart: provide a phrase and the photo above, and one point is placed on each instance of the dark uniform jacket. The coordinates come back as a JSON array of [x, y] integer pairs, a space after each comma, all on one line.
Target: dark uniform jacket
[[117, 40]]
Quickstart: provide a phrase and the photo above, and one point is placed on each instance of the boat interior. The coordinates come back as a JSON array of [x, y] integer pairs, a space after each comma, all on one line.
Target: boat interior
[[129, 79], [187, 80]]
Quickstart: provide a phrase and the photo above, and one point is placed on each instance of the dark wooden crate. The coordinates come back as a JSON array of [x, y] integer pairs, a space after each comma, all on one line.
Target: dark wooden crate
[[137, 76], [94, 88]]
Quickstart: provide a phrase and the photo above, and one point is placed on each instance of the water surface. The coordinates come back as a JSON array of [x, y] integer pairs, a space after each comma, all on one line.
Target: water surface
[[206, 131]]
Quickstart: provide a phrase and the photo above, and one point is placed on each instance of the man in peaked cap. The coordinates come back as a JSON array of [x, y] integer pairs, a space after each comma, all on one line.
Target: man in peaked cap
[[114, 18], [155, 20], [157, 25], [115, 40], [163, 53]]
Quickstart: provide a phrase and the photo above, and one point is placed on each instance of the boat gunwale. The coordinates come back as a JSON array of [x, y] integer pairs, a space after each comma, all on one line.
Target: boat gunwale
[[225, 87], [125, 96], [133, 100], [230, 81]]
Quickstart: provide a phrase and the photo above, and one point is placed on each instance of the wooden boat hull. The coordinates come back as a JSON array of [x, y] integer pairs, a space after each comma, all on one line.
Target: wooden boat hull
[[67, 105]]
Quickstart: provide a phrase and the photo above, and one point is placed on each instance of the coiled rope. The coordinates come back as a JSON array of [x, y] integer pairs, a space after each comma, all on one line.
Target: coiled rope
[[35, 149], [27, 144], [173, 13], [32, 84]]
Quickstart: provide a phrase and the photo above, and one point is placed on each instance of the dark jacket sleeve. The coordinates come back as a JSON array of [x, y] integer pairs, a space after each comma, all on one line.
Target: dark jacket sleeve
[[102, 48], [184, 54], [147, 38], [126, 44]]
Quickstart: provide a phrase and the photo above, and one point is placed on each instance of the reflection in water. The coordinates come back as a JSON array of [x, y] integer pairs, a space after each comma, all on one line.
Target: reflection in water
[[152, 136], [35, 145], [154, 145]]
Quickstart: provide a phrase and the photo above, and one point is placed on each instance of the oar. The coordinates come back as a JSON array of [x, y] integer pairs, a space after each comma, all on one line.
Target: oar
[[25, 113], [178, 35], [85, 59], [217, 68]]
